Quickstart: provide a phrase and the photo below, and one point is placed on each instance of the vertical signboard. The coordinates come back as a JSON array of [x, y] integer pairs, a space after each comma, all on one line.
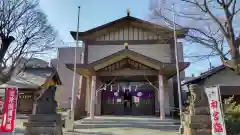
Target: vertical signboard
[[9, 110], [215, 104]]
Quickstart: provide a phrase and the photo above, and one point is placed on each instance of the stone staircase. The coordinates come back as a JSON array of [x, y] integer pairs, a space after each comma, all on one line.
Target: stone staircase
[[128, 122]]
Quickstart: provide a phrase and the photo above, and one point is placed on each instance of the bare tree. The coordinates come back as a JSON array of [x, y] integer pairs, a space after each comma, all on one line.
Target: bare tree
[[24, 31], [212, 23]]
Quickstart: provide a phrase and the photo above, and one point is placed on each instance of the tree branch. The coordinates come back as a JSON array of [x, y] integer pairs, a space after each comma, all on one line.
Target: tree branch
[[215, 19], [30, 30]]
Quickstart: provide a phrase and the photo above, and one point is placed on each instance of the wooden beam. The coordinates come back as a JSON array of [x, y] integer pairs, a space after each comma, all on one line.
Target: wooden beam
[[85, 72], [128, 72]]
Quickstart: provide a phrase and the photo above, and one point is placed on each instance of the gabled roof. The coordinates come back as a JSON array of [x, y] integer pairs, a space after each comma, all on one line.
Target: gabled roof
[[33, 77], [42, 73], [126, 53], [148, 25], [204, 75]]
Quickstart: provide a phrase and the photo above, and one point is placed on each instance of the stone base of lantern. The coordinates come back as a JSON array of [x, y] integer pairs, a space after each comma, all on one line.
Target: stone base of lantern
[[43, 125], [191, 131], [197, 125]]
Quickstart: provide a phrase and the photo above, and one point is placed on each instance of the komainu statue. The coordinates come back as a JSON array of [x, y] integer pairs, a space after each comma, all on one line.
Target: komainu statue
[[197, 118], [198, 102], [44, 119], [46, 103]]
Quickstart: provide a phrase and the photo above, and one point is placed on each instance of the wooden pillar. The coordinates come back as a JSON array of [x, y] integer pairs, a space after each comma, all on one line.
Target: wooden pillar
[[88, 91], [93, 97], [161, 96]]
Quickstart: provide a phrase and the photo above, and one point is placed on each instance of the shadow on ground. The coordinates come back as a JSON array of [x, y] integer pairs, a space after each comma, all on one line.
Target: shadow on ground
[[18, 130], [22, 116]]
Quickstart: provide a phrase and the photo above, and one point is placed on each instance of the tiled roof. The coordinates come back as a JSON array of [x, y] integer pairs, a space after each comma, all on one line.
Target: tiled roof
[[146, 24], [204, 75], [32, 77]]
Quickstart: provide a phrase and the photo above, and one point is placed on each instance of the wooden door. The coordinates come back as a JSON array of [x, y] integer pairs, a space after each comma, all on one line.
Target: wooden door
[[112, 103], [143, 102], [25, 102]]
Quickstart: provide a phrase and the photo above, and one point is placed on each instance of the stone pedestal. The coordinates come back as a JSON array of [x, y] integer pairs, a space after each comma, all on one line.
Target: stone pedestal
[[44, 120], [191, 131], [69, 123], [42, 124], [197, 125]]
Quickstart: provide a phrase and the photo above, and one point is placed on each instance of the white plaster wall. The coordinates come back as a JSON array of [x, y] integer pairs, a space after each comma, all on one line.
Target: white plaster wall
[[64, 91], [159, 52], [180, 52], [97, 52], [181, 58], [166, 101], [170, 93], [66, 55]]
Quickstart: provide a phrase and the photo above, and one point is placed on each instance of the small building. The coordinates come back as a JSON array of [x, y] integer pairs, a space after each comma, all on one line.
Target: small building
[[222, 76], [29, 83], [127, 53]]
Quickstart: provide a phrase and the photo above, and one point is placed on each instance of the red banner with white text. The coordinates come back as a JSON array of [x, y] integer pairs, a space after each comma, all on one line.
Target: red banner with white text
[[216, 110], [9, 110]]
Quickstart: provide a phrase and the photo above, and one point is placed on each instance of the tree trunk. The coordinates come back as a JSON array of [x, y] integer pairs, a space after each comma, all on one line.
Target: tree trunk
[[6, 42], [3, 78], [235, 55], [234, 63]]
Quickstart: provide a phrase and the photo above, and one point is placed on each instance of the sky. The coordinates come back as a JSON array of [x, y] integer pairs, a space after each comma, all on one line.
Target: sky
[[62, 14]]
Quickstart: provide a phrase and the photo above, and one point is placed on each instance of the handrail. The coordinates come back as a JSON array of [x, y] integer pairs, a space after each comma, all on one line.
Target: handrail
[[172, 110]]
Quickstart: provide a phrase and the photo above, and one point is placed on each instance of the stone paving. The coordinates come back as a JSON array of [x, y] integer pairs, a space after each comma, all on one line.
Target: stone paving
[[19, 125], [119, 131], [101, 131]]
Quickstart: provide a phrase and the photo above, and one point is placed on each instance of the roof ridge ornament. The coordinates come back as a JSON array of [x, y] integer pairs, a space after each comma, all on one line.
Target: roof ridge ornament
[[126, 45], [128, 12]]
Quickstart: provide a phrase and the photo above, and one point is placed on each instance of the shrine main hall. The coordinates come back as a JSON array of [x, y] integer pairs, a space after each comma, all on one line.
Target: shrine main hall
[[128, 68]]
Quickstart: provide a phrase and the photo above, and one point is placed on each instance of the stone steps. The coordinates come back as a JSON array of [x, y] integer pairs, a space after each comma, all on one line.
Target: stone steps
[[148, 123], [129, 121]]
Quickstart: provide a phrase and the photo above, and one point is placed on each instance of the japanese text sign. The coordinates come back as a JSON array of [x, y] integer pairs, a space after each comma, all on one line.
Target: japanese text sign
[[9, 110], [218, 125]]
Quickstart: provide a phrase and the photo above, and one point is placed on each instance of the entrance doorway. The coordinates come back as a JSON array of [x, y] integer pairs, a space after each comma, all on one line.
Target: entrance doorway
[[127, 102]]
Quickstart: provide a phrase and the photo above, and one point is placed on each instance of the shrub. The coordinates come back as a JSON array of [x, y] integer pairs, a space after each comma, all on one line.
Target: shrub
[[232, 116]]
